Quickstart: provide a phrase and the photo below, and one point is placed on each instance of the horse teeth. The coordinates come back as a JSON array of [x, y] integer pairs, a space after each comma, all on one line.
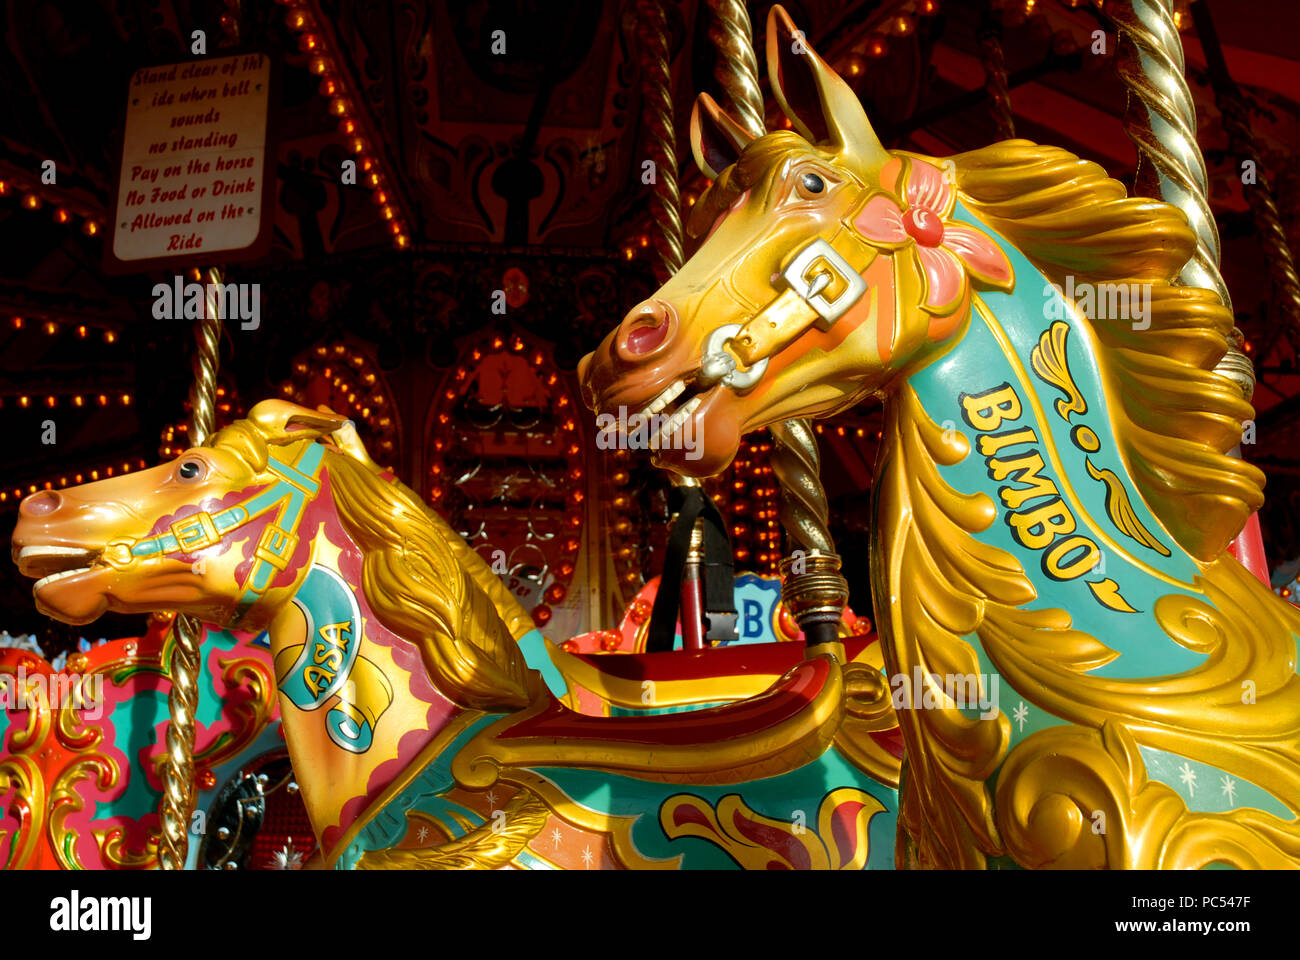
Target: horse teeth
[[45, 551], [661, 401], [676, 421], [58, 576]]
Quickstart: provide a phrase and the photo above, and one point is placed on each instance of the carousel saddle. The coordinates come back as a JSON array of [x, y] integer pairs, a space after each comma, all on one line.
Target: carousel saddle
[[683, 678], [787, 725]]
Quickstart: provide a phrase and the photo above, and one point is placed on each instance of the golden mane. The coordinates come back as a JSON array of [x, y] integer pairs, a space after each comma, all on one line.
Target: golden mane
[[1177, 418], [414, 581], [421, 592]]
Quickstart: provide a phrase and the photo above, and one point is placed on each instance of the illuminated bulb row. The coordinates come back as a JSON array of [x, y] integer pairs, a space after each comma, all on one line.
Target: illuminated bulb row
[[53, 327], [353, 381], [752, 494], [32, 201], [51, 401], [842, 431], [322, 64], [74, 479], [877, 45]]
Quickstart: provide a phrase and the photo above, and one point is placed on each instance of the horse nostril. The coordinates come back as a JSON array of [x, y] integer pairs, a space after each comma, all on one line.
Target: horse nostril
[[41, 504], [648, 327]]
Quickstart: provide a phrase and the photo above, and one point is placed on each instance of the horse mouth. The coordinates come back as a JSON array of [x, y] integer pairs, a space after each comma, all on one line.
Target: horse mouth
[[667, 412], [51, 563], [670, 409]]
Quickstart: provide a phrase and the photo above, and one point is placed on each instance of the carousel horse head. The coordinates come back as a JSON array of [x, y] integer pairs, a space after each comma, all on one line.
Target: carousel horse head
[[228, 531], [162, 538], [832, 269], [827, 263], [281, 523]]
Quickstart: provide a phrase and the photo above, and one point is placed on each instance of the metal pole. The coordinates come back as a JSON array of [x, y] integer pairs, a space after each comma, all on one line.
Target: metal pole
[[1161, 121], [814, 590], [187, 633]]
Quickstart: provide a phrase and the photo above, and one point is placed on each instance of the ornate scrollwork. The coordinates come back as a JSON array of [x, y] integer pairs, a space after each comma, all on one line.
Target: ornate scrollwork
[[491, 845], [1238, 711], [757, 842]]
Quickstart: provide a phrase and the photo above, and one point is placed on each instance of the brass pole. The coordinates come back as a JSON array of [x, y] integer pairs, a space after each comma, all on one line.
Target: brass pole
[[178, 789], [796, 463], [1161, 121], [995, 77], [736, 66], [178, 798], [661, 138]]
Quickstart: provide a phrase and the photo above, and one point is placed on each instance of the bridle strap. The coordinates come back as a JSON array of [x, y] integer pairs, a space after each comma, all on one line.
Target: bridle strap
[[818, 268], [294, 488]]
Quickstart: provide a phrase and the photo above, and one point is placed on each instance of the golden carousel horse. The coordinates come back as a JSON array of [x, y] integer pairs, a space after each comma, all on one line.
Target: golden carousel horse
[[419, 736], [1052, 503], [1054, 491]]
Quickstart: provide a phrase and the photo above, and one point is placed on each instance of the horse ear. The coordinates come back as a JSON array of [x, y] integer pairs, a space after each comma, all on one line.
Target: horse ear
[[819, 104], [348, 440], [280, 422], [716, 139]]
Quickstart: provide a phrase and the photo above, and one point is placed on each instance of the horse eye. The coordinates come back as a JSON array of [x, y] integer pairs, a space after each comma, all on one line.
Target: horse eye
[[190, 470], [812, 183]]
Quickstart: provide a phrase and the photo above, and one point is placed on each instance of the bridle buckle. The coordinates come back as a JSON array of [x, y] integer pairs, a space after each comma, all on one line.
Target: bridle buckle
[[195, 532], [813, 269]]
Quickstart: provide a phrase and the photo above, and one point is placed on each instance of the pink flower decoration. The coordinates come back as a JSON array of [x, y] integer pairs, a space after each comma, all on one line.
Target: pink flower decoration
[[948, 250]]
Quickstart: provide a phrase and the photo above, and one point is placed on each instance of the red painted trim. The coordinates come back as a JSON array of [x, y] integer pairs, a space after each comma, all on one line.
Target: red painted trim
[[735, 660], [1248, 547], [787, 697], [891, 740]]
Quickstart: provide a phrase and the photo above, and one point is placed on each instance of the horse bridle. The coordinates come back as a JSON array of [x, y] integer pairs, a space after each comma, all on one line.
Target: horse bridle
[[294, 488], [817, 268]]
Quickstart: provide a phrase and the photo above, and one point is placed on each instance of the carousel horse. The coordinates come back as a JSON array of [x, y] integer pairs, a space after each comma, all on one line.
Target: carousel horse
[[418, 735], [1054, 492]]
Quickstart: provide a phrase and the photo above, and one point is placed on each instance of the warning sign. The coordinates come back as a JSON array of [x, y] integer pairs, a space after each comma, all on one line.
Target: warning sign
[[193, 179]]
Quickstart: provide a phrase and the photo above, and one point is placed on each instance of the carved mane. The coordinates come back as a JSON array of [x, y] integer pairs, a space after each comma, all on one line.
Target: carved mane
[[413, 579], [1178, 418]]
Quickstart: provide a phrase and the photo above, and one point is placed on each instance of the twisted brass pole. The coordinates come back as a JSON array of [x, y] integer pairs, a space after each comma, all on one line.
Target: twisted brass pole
[[815, 591], [1161, 121], [1259, 195], [995, 79], [661, 138], [178, 787], [178, 798], [797, 467], [736, 66]]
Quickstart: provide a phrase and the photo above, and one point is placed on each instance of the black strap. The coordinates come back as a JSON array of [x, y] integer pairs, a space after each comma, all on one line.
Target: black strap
[[717, 573]]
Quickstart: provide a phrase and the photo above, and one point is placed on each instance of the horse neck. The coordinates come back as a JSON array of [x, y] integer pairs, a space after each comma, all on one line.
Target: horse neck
[[1019, 412], [356, 701], [1014, 550]]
